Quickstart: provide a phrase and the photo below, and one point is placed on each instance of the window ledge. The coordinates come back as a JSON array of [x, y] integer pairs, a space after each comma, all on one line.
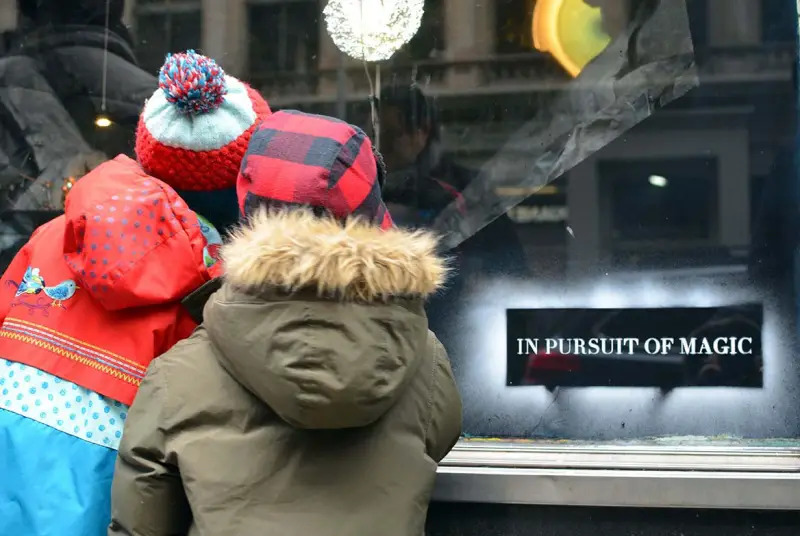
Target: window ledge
[[663, 477]]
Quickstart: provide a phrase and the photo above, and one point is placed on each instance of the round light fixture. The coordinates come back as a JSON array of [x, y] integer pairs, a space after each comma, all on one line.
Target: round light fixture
[[658, 181], [372, 30]]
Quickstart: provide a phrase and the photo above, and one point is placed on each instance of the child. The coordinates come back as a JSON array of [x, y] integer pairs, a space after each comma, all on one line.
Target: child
[[192, 134], [95, 296], [313, 399], [194, 131], [85, 306]]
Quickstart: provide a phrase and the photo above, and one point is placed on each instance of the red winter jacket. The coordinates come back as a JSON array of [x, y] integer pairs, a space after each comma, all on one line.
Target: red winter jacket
[[95, 294]]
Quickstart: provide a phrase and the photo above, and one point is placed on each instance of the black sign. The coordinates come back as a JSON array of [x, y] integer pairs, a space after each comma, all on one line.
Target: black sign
[[663, 347]]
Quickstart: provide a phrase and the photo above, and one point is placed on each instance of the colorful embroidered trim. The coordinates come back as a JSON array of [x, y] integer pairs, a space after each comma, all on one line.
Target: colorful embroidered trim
[[62, 347], [76, 346], [100, 351]]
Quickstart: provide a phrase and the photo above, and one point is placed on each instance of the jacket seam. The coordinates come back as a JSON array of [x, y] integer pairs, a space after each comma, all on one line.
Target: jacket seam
[[162, 376], [432, 393]]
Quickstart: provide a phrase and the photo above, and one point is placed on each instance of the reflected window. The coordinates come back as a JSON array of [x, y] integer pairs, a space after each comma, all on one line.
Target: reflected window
[[661, 201], [513, 26], [166, 26], [283, 36], [778, 22]]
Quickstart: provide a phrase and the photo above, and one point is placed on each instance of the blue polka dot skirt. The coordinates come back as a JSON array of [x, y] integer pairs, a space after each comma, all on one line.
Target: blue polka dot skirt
[[60, 404]]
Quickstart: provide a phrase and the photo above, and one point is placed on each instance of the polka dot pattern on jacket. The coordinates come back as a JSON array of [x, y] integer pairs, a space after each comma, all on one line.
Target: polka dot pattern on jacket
[[60, 404]]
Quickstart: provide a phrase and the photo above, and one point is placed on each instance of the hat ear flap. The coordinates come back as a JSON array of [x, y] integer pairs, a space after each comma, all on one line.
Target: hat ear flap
[[380, 166]]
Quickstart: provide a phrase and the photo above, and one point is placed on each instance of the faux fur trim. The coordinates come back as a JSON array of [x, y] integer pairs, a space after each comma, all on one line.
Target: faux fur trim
[[295, 250]]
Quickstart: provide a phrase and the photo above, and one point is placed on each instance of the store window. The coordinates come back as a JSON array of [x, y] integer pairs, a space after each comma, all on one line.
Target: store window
[[598, 170]]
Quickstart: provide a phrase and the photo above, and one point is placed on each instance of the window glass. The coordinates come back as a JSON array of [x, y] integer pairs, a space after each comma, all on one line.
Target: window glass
[[291, 47], [648, 208], [164, 26], [778, 22], [599, 170]]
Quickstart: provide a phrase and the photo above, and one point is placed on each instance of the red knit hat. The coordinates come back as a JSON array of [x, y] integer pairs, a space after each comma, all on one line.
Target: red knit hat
[[194, 130]]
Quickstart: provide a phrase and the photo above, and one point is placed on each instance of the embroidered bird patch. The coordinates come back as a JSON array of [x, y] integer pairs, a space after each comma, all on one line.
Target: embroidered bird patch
[[33, 284], [61, 292]]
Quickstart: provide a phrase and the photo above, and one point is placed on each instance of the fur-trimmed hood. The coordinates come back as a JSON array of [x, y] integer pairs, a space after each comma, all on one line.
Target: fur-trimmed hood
[[322, 321], [294, 250]]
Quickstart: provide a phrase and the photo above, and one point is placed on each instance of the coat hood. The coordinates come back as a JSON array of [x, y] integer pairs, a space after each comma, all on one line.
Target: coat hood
[[131, 241], [323, 321]]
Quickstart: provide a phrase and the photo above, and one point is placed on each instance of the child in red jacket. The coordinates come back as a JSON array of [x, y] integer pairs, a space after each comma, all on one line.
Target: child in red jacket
[[96, 294], [85, 306]]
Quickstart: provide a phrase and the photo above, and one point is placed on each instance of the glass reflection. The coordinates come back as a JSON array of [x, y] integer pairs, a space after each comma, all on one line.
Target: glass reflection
[[62, 74], [574, 154]]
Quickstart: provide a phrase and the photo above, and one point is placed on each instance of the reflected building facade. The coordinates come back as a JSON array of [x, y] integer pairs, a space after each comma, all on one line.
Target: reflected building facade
[[479, 61]]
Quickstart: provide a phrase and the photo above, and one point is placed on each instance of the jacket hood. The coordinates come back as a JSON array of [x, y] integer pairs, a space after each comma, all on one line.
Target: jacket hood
[[323, 321], [131, 241]]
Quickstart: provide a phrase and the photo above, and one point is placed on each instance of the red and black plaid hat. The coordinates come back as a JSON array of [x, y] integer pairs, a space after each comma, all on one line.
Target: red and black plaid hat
[[306, 160]]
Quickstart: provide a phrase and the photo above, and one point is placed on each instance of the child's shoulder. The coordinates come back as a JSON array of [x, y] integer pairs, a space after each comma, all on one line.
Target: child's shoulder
[[192, 381], [190, 362]]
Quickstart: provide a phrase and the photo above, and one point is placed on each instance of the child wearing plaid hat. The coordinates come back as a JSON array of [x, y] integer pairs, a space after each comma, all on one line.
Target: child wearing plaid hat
[[313, 399]]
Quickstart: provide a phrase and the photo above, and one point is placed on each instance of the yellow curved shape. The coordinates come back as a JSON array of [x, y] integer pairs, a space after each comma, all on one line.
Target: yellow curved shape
[[570, 31]]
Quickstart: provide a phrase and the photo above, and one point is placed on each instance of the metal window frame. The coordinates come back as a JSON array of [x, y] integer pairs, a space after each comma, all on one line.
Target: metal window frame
[[621, 476]]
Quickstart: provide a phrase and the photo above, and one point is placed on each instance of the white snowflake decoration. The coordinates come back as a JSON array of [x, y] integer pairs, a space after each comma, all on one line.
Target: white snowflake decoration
[[372, 30]]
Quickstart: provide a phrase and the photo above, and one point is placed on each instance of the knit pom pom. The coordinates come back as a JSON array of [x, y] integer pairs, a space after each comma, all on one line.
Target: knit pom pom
[[192, 82]]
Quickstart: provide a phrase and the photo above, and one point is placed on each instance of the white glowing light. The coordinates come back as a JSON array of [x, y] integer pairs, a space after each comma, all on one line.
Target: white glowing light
[[102, 121], [372, 30], [658, 181]]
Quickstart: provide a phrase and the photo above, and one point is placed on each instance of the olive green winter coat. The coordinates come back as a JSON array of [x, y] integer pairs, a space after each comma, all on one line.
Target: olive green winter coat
[[313, 401]]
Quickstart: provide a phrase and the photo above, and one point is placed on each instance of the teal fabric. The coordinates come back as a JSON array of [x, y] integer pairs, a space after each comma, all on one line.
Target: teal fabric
[[52, 483]]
